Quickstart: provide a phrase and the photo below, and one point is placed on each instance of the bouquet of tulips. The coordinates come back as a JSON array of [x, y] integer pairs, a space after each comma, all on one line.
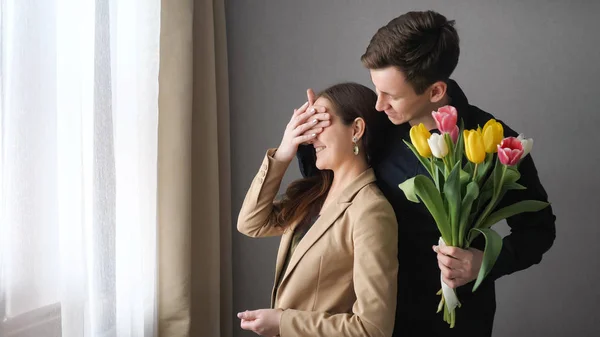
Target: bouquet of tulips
[[469, 173]]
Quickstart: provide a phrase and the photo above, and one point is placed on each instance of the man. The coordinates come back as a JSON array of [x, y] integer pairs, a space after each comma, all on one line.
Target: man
[[410, 61]]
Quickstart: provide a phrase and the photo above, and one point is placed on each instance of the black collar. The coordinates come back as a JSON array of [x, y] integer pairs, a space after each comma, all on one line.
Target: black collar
[[459, 100]]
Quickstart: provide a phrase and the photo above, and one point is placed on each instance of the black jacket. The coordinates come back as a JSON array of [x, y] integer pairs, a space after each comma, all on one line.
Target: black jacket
[[532, 234]]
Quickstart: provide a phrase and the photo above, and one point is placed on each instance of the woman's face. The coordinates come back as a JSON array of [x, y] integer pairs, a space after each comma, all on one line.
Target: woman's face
[[334, 145]]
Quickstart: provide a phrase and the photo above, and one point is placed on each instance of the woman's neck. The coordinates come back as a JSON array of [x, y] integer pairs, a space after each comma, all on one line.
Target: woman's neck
[[344, 175]]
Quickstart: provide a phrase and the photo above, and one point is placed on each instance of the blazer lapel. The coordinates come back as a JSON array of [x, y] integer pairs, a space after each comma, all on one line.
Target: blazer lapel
[[284, 246], [314, 233], [328, 218]]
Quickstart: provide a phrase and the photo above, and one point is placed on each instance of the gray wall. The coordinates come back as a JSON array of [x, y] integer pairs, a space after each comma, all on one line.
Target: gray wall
[[534, 64]]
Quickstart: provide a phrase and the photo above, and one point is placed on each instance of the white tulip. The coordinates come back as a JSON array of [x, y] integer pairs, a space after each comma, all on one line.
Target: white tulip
[[438, 145], [527, 144]]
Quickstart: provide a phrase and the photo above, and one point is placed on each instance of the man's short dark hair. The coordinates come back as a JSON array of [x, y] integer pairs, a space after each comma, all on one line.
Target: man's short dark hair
[[423, 45]]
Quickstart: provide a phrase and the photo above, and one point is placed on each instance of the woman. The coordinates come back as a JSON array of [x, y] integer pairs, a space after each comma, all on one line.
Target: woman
[[337, 262]]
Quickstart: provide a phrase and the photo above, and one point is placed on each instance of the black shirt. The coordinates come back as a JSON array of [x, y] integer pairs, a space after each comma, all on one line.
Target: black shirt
[[532, 234]]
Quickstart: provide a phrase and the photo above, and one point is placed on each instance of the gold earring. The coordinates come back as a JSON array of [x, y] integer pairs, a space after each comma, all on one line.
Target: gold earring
[[355, 147]]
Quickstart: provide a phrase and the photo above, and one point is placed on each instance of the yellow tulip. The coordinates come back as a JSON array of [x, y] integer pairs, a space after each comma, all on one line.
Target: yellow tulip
[[493, 133], [418, 137], [474, 148]]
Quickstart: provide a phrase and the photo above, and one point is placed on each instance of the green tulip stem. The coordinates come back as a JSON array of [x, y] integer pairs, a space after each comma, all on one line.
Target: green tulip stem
[[492, 203], [450, 146], [434, 173], [447, 166]]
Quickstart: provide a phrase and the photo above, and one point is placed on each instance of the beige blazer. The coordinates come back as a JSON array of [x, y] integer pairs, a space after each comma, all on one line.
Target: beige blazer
[[341, 279]]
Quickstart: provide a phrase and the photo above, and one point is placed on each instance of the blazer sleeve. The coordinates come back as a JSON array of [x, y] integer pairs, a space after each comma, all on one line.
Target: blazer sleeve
[[375, 236], [259, 212]]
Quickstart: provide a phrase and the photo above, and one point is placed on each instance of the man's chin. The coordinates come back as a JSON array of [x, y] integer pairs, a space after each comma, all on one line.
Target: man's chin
[[396, 120]]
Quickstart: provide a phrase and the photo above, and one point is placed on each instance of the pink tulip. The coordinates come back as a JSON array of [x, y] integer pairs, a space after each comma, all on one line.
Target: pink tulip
[[445, 118], [454, 134], [510, 151]]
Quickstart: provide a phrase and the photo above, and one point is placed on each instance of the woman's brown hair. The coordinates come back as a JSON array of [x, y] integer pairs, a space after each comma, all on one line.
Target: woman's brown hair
[[304, 198]]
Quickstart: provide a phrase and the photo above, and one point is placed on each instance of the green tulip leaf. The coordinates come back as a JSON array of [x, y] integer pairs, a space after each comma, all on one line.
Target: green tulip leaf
[[514, 209], [465, 210], [464, 177], [423, 188], [453, 199], [493, 246], [440, 166], [424, 161], [511, 176], [513, 186]]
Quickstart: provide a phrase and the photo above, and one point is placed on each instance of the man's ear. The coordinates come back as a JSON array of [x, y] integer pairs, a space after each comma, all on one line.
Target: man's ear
[[437, 91]]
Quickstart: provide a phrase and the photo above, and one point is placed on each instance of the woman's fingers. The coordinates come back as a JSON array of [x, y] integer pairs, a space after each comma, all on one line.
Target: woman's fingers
[[304, 138], [300, 110], [302, 117], [310, 95]]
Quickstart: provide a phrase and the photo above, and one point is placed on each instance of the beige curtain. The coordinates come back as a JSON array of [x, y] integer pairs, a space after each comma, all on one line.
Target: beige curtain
[[194, 208]]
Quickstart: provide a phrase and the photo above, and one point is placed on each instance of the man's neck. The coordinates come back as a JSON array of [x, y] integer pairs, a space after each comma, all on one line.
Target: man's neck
[[426, 118]]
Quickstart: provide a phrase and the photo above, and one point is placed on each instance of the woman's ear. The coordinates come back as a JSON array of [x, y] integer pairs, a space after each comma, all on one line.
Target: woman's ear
[[358, 128]]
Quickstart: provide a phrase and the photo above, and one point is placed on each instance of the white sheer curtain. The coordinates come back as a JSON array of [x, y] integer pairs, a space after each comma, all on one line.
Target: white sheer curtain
[[78, 141]]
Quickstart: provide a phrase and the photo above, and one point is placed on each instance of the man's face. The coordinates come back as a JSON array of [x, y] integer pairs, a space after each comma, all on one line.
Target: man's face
[[397, 98]]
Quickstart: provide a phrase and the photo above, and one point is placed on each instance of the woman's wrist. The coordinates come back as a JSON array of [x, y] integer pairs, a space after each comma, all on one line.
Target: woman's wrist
[[277, 155]]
